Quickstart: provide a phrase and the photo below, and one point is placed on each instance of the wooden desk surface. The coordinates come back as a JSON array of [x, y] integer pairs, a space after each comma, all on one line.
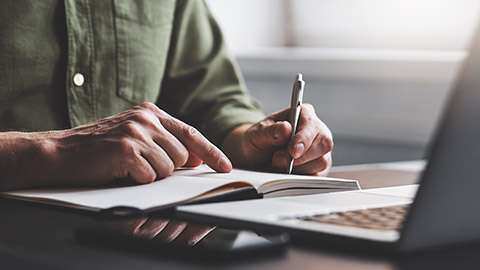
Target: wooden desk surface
[[382, 174], [33, 237]]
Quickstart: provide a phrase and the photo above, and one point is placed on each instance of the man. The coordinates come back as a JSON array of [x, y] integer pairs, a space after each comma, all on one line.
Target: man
[[65, 64]]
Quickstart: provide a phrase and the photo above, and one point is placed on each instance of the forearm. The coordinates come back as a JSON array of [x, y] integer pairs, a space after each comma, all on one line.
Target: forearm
[[26, 159]]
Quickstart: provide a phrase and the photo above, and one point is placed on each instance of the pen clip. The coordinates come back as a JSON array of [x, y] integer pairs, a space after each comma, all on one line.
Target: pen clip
[[301, 86]]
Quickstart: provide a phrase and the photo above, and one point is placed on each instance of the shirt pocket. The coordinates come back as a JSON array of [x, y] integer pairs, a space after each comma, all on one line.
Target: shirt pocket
[[143, 30]]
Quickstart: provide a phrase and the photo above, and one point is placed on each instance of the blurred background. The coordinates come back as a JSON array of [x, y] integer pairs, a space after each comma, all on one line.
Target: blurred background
[[377, 71]]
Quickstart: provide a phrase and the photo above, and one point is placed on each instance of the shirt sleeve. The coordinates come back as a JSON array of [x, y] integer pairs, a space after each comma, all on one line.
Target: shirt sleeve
[[202, 84]]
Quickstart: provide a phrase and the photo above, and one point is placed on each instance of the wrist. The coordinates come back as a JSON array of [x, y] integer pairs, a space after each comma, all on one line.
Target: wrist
[[46, 150], [40, 158], [24, 161]]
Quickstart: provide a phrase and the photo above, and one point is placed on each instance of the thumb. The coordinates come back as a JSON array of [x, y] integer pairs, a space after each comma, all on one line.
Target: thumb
[[272, 134]]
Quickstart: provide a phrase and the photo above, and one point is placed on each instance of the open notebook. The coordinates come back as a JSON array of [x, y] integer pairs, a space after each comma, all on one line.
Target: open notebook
[[185, 185]]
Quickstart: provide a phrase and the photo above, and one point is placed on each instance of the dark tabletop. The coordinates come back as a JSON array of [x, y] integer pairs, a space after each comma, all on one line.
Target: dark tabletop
[[40, 237]]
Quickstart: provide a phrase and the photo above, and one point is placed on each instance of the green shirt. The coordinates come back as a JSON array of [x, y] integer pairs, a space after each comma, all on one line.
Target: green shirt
[[168, 52]]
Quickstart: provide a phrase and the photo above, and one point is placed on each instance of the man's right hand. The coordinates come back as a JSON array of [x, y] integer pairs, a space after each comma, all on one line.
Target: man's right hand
[[143, 143]]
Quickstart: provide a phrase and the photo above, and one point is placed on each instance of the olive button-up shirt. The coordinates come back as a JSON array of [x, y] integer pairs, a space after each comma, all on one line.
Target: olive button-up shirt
[[67, 63]]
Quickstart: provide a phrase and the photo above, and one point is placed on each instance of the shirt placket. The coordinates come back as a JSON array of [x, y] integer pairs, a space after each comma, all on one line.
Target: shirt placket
[[80, 68]]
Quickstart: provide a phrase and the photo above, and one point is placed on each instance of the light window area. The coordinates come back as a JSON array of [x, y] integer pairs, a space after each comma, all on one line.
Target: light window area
[[374, 24], [377, 71]]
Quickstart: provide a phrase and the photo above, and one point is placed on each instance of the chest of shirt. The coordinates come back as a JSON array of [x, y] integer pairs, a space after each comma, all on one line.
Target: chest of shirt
[[120, 49]]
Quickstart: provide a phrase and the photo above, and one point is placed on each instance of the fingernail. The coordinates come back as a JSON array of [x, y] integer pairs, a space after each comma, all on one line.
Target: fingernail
[[298, 150], [225, 164]]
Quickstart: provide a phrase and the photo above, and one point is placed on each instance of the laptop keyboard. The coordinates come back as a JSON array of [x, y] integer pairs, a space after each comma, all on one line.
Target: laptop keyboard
[[385, 218]]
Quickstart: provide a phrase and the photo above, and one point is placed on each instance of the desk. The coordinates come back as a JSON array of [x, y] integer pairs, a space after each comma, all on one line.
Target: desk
[[378, 175], [33, 237]]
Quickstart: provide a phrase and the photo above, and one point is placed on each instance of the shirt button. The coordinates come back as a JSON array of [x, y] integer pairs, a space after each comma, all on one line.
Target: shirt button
[[78, 79]]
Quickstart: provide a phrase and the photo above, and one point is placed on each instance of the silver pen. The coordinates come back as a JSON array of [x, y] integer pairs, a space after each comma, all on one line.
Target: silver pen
[[295, 108]]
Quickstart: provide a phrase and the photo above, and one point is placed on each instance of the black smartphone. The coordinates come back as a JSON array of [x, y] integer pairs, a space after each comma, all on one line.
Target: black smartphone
[[174, 236]]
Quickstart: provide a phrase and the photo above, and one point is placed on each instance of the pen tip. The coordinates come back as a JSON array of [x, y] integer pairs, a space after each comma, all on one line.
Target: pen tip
[[299, 76]]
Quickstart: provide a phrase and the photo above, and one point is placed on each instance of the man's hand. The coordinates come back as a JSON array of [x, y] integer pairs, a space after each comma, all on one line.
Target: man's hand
[[143, 144], [264, 144]]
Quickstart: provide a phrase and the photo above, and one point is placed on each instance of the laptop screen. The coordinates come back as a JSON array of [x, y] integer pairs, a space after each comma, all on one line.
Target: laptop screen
[[445, 209]]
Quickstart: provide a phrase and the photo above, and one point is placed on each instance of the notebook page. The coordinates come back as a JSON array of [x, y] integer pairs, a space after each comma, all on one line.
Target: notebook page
[[254, 177], [174, 189]]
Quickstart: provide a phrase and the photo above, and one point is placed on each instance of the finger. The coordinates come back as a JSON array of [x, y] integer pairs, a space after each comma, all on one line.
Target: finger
[[279, 163], [151, 228], [145, 126], [140, 170], [193, 161], [320, 146], [197, 144], [129, 226], [147, 160], [171, 231], [158, 159], [315, 166], [268, 134], [192, 139], [279, 160], [171, 145], [309, 127], [193, 234]]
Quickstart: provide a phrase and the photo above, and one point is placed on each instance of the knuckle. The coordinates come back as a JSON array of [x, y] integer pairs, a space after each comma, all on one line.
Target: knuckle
[[322, 164], [150, 176], [126, 147], [309, 134], [131, 128], [183, 158], [211, 151], [191, 133], [308, 118], [306, 136], [151, 107], [147, 174], [308, 106], [167, 169], [180, 158], [147, 105], [308, 114], [263, 124], [326, 143], [141, 116]]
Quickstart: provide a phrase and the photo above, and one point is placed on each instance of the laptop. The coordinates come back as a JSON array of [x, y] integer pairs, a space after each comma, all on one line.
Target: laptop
[[443, 210]]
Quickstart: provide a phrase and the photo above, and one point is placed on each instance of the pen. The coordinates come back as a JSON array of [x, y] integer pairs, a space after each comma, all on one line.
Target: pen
[[295, 108]]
